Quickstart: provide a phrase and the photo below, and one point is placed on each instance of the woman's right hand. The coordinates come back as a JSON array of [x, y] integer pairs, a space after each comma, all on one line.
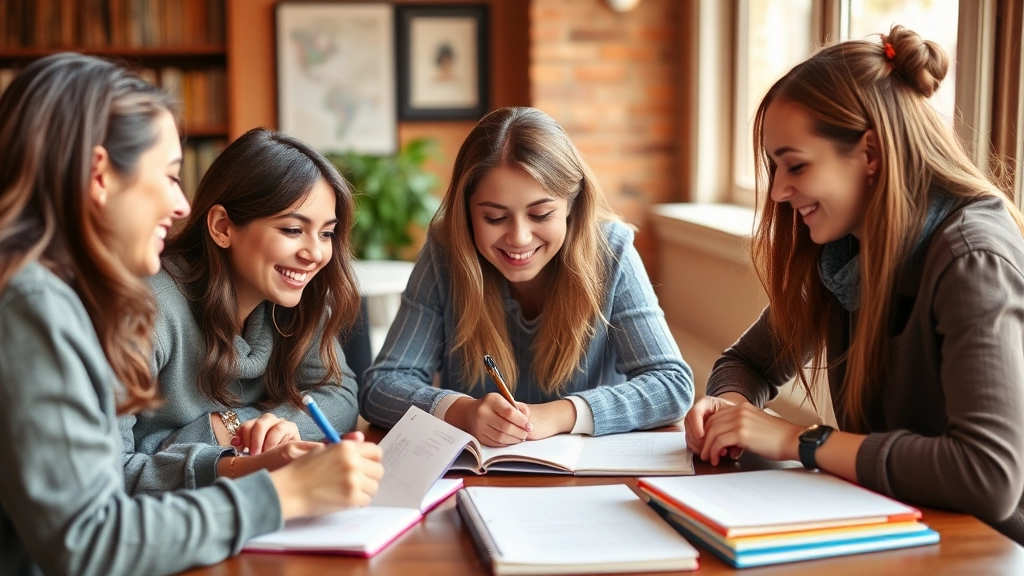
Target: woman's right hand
[[491, 419], [698, 415], [329, 478]]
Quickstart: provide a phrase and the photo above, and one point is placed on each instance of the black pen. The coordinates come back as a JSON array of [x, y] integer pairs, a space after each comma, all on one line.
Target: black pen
[[492, 369]]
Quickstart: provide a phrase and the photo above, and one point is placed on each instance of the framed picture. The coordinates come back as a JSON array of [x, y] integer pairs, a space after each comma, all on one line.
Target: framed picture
[[442, 62], [336, 76]]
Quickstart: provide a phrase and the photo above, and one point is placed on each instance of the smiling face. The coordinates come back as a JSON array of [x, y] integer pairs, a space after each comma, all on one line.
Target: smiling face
[[275, 258], [517, 225], [139, 209], [825, 186]]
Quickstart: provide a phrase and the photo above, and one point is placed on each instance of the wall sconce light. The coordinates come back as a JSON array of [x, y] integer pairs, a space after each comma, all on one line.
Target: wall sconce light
[[622, 5]]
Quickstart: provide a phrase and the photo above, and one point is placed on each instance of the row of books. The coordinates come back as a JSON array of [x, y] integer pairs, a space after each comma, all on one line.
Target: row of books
[[197, 155], [110, 23], [747, 519], [201, 90]]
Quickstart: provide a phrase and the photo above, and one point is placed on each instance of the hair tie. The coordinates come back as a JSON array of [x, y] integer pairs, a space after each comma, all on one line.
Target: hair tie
[[890, 52]]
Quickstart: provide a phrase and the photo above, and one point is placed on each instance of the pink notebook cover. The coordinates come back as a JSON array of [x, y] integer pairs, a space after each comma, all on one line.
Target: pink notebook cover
[[456, 484]]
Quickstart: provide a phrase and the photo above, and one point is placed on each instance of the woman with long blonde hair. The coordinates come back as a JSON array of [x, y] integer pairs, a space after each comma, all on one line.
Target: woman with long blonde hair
[[893, 265], [525, 262]]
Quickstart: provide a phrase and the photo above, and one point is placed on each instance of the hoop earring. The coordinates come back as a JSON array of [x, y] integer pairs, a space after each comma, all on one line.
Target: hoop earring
[[273, 318]]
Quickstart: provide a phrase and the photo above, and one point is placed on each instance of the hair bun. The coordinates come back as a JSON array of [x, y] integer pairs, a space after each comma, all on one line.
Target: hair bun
[[920, 63]]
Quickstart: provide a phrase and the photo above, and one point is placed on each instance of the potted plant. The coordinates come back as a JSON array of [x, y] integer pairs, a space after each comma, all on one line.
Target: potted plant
[[392, 193]]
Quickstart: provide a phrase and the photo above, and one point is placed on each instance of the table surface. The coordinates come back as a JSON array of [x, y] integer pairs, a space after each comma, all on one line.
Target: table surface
[[440, 544]]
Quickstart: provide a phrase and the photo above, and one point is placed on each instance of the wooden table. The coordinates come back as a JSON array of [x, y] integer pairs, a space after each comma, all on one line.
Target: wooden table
[[441, 545]]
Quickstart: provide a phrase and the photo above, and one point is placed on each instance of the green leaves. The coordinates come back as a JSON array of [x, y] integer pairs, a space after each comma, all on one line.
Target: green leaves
[[392, 193]]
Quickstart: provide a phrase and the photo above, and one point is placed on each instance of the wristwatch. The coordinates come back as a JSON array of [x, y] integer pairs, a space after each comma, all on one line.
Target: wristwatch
[[810, 440], [230, 420]]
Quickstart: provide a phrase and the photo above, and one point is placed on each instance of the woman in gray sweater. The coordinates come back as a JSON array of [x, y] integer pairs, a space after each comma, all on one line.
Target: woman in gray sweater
[[525, 262], [893, 265], [88, 190], [255, 289]]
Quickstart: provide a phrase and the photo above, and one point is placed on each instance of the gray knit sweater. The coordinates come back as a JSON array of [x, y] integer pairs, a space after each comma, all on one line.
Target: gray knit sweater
[[174, 446], [63, 505]]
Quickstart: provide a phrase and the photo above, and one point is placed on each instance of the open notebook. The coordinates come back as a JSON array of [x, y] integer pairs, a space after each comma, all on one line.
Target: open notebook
[[359, 532], [570, 530], [629, 454]]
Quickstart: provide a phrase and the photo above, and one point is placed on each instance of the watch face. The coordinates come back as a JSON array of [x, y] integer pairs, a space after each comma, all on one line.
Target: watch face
[[814, 434]]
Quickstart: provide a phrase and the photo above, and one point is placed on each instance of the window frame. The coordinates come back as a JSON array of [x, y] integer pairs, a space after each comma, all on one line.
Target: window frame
[[988, 98]]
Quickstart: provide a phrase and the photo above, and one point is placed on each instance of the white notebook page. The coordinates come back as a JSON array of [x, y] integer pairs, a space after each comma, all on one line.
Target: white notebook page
[[575, 525], [646, 452], [563, 449], [771, 497], [417, 451]]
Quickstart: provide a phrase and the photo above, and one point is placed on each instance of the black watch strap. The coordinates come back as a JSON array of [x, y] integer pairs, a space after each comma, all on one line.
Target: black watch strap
[[810, 440]]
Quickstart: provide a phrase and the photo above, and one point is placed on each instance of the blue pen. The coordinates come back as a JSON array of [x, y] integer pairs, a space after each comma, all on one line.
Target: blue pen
[[321, 421]]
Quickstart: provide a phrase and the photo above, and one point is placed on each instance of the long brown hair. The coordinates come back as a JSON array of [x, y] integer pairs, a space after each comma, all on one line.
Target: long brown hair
[[260, 175], [528, 139], [51, 117], [848, 89]]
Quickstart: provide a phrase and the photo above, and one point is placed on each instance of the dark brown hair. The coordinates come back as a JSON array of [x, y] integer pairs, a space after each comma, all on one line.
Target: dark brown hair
[[51, 117], [262, 174]]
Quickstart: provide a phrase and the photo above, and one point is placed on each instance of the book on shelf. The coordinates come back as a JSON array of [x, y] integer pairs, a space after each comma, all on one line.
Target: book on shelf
[[90, 24], [570, 530], [774, 516], [628, 454]]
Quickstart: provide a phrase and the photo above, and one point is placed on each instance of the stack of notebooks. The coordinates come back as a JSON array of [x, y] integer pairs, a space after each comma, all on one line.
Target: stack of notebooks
[[774, 516]]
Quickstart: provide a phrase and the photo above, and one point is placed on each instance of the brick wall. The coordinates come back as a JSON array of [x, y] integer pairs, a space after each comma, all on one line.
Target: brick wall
[[611, 80]]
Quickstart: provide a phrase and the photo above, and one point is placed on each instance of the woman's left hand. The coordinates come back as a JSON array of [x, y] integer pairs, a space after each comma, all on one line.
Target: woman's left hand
[[264, 433], [748, 427], [551, 418]]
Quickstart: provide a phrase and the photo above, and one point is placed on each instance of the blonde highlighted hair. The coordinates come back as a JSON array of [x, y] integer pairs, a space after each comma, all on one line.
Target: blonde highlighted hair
[[848, 89], [527, 139]]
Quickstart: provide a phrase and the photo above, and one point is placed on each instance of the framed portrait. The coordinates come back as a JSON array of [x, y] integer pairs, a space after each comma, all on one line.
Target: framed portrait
[[442, 62], [336, 76]]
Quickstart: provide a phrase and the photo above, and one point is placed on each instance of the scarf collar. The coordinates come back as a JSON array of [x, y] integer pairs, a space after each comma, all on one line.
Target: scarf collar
[[839, 266]]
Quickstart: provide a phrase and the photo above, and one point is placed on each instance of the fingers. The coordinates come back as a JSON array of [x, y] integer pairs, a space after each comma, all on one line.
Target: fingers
[[354, 436], [266, 432]]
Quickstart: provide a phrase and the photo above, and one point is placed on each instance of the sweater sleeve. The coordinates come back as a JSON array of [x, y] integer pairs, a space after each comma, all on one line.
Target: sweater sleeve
[[187, 457], [976, 466], [659, 385], [63, 489], [750, 366], [404, 370], [337, 401], [188, 465]]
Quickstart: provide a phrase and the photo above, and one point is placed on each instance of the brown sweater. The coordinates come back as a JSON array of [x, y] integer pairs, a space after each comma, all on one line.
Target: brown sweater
[[947, 425]]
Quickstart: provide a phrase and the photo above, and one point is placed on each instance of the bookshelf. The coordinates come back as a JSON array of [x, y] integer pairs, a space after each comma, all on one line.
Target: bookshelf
[[176, 44]]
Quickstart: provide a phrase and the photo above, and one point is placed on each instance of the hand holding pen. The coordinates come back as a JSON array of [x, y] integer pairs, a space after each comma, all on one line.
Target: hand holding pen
[[495, 419]]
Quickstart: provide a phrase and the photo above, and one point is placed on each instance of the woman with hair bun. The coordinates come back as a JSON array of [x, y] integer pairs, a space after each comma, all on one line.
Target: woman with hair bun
[[894, 267]]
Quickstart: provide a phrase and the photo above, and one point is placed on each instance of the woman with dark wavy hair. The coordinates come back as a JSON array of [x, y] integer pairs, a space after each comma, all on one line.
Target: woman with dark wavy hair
[[255, 289], [88, 191]]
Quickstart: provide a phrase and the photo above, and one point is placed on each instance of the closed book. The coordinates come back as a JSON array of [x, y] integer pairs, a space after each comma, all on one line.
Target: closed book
[[774, 501], [753, 551], [570, 530]]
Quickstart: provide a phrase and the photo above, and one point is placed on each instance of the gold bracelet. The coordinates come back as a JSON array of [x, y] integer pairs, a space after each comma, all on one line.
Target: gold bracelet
[[231, 468]]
